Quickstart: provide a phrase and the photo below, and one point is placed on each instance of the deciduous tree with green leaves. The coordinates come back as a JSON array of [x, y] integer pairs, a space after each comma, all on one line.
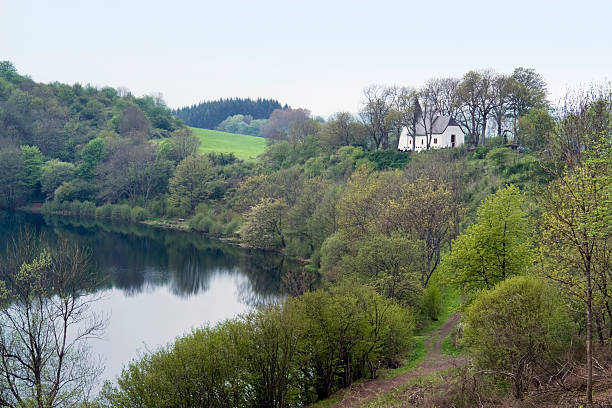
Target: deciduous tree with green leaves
[[497, 246], [191, 183]]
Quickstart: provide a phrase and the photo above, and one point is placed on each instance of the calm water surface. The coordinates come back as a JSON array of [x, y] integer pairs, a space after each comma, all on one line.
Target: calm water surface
[[159, 284]]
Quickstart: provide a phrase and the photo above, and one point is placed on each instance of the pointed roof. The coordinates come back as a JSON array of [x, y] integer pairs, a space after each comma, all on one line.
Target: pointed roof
[[440, 123]]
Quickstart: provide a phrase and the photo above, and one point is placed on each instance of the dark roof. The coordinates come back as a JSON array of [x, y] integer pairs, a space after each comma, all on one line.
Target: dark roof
[[440, 123]]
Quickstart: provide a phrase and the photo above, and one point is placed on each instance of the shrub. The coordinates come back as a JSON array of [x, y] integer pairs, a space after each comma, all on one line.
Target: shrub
[[115, 213], [125, 211], [516, 329], [432, 302], [139, 214]]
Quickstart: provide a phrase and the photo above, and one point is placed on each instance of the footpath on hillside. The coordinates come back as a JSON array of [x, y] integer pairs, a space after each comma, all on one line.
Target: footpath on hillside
[[360, 394]]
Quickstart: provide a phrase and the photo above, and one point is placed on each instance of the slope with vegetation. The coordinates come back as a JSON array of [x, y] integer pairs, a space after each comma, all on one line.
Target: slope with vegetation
[[518, 223]]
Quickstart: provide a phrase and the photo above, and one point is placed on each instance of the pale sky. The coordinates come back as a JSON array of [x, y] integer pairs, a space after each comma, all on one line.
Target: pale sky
[[312, 54]]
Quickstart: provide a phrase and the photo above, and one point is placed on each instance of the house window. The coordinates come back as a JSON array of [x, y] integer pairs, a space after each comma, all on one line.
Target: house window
[[422, 141], [452, 140], [435, 140]]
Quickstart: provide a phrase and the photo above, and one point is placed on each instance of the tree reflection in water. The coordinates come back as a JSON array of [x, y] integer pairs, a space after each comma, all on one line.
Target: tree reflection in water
[[137, 259]]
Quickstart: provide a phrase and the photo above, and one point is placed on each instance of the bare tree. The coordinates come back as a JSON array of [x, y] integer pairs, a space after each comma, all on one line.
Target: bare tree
[[45, 321], [501, 91], [407, 107], [378, 104], [427, 113], [443, 91], [468, 97]]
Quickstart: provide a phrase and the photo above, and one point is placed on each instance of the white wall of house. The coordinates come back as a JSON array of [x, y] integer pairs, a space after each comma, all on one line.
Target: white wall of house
[[438, 141]]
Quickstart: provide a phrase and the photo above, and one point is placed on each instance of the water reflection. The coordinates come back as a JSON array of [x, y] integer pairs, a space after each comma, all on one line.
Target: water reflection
[[136, 258], [159, 284]]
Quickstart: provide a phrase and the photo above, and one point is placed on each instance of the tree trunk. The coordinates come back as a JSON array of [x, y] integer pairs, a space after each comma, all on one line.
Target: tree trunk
[[589, 339], [484, 129]]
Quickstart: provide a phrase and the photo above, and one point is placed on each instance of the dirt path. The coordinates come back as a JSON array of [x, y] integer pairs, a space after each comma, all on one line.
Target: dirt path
[[360, 394]]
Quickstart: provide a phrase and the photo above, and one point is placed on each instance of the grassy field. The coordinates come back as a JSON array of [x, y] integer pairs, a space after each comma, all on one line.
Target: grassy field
[[243, 146]]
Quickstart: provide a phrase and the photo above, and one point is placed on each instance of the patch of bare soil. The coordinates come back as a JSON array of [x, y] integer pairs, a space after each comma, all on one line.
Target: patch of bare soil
[[360, 394]]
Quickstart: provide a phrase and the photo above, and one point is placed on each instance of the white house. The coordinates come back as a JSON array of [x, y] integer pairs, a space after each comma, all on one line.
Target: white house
[[445, 132]]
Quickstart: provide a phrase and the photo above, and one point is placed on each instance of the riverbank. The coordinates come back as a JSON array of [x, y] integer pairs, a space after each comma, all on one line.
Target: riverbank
[[169, 224]]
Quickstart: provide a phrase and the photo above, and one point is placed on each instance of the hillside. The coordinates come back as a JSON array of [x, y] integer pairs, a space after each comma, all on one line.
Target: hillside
[[243, 146]]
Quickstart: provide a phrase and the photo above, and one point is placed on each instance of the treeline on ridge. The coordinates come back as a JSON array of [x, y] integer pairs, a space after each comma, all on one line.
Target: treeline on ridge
[[210, 114]]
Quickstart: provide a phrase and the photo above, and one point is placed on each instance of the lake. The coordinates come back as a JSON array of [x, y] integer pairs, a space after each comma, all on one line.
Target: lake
[[159, 284]]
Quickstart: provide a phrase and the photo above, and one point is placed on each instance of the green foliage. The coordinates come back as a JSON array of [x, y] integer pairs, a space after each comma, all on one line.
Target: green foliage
[[91, 155], [206, 368], [277, 356], [32, 161], [242, 124], [53, 174], [12, 178], [193, 182], [392, 264], [263, 225], [210, 114], [516, 328], [534, 129], [214, 221], [433, 302], [497, 246], [388, 159], [350, 330]]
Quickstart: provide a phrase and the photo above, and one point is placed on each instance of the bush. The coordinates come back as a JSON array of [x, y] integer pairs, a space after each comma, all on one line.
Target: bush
[[125, 211], [261, 359], [519, 327], [75, 207], [432, 302], [139, 214], [115, 213], [88, 208]]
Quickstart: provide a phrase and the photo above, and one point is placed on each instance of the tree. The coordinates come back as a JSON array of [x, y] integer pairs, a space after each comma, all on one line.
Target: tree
[[426, 113], [91, 155], [264, 227], [133, 123], [392, 264], [585, 117], [535, 129], [192, 183], [350, 330], [408, 110], [443, 92], [378, 105], [45, 320], [183, 143], [32, 161], [280, 122], [342, 130], [207, 368], [275, 338], [497, 246], [131, 170], [515, 329], [477, 100], [576, 236], [501, 88], [8, 71], [527, 91], [54, 173], [12, 178]]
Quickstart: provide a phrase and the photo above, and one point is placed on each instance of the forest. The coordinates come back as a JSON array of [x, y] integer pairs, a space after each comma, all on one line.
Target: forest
[[210, 114], [512, 232]]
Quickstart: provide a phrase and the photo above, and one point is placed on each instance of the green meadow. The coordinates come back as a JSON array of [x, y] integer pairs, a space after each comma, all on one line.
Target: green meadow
[[243, 146]]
